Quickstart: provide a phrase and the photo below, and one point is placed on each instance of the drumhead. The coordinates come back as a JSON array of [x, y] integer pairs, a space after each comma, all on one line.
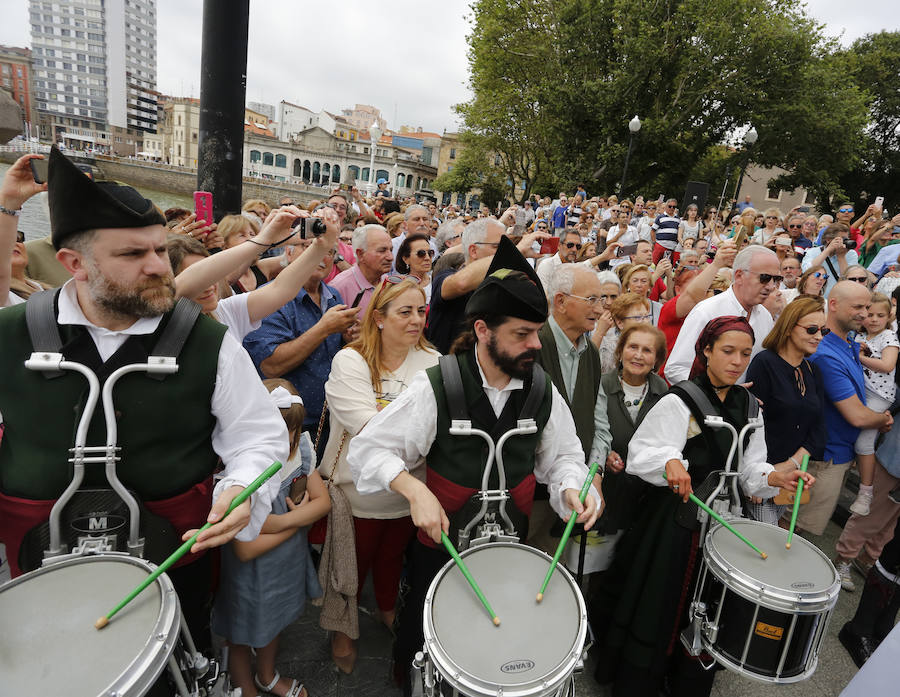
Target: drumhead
[[535, 642], [50, 647], [802, 574]]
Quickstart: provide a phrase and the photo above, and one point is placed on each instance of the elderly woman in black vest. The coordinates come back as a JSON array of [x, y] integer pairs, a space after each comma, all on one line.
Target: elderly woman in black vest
[[655, 570]]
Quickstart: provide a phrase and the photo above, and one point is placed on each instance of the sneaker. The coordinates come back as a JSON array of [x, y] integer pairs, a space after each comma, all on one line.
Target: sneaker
[[843, 569], [862, 503]]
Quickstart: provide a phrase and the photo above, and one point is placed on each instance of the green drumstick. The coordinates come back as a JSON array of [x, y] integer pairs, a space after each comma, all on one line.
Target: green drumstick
[[181, 551], [582, 495], [719, 519], [803, 465], [465, 572]]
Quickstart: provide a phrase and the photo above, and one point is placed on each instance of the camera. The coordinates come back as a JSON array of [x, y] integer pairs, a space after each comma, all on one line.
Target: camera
[[849, 244], [309, 227]]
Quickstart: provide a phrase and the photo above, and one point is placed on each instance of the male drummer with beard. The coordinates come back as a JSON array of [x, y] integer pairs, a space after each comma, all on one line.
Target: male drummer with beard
[[496, 360], [172, 432]]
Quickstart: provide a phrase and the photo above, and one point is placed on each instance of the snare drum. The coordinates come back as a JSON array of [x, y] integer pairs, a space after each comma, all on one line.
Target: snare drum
[[49, 645], [535, 649], [765, 618]]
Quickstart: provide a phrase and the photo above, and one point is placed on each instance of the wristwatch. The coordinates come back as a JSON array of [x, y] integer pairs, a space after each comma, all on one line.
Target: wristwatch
[[338, 258], [8, 211]]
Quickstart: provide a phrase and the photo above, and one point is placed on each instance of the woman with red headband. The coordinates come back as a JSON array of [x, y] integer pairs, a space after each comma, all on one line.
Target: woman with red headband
[[646, 592]]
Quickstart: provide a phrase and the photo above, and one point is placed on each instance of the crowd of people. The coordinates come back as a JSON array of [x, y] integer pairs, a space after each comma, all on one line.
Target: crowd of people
[[322, 342]]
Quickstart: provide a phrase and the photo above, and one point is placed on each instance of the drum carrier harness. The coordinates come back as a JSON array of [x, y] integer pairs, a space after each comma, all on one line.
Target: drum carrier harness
[[485, 518]]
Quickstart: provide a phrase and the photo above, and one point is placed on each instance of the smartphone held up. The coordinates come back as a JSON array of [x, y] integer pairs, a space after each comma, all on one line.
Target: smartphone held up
[[203, 207]]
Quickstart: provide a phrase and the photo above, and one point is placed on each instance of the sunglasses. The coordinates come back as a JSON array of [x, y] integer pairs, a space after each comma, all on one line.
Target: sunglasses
[[577, 245], [766, 278], [795, 227], [820, 274], [813, 329], [858, 279], [395, 278], [422, 253], [845, 210]]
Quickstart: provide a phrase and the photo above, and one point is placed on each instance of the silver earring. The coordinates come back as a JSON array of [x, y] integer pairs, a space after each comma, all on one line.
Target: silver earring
[[381, 326]]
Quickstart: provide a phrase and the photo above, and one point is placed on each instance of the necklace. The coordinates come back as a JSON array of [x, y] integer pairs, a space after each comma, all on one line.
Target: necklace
[[719, 388], [636, 402]]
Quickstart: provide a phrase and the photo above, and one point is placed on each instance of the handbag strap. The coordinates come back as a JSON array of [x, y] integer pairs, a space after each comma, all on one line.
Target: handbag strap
[[340, 447]]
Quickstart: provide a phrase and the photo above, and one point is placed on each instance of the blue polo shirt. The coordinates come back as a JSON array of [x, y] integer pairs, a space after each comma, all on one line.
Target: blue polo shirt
[[842, 375], [286, 324]]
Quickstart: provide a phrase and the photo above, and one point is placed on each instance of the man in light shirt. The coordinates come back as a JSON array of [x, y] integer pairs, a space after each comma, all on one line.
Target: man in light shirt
[[757, 273]]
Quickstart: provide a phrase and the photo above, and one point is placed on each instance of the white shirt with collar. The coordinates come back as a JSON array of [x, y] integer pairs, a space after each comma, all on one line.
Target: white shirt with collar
[[678, 367], [403, 432], [250, 432]]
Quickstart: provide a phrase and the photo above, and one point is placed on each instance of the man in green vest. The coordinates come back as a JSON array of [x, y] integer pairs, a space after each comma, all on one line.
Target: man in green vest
[[496, 366], [172, 432], [573, 364]]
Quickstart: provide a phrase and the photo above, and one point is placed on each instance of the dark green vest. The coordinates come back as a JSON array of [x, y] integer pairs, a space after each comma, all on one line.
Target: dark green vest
[[584, 396], [164, 426], [461, 459]]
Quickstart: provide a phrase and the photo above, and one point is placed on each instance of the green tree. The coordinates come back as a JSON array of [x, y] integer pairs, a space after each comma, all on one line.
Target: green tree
[[556, 81]]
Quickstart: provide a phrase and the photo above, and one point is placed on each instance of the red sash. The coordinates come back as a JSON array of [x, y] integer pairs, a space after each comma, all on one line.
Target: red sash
[[185, 511], [452, 496]]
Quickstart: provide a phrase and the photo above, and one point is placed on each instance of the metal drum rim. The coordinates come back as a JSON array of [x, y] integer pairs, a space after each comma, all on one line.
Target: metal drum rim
[[447, 668], [730, 663], [142, 672], [744, 585]]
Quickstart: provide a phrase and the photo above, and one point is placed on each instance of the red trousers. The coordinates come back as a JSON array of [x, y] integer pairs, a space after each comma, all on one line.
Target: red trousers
[[380, 545], [659, 252]]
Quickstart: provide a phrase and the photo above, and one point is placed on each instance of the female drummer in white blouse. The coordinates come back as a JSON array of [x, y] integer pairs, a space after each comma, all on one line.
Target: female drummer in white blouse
[[656, 567]]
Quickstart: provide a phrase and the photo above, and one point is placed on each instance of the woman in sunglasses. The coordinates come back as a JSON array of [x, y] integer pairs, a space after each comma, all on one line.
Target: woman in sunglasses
[[771, 225], [792, 392], [415, 256], [812, 282]]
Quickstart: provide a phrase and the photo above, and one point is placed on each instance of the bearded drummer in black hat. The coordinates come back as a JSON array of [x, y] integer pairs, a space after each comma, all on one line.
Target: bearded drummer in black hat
[[496, 363], [172, 432]]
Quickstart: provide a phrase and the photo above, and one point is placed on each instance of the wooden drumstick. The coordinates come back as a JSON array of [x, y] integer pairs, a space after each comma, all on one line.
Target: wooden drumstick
[[461, 565], [582, 495], [183, 549], [803, 465]]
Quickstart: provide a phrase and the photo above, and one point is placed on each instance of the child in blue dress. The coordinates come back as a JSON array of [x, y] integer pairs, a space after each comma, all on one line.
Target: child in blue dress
[[265, 582]]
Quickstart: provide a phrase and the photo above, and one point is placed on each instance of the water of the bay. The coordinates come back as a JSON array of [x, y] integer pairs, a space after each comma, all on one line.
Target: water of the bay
[[35, 219]]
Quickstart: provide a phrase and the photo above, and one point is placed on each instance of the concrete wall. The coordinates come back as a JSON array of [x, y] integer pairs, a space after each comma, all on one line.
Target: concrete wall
[[178, 180]]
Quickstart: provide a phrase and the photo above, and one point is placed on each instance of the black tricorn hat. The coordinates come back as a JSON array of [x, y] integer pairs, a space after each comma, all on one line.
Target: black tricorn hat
[[78, 203], [511, 287]]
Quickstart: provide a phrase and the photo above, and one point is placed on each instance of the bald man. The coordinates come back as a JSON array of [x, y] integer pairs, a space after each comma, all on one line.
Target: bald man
[[846, 412]]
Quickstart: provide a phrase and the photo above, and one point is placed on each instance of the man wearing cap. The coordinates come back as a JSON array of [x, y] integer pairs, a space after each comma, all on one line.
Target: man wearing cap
[[172, 432], [497, 370]]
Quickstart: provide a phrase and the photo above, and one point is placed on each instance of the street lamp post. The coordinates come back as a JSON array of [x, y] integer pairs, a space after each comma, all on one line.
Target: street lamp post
[[749, 139], [633, 127], [375, 135]]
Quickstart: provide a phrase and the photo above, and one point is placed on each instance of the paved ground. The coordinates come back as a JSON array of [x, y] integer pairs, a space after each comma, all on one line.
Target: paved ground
[[305, 654]]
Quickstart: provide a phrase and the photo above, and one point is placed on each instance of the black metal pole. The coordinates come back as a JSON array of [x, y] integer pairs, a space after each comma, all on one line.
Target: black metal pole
[[223, 87], [625, 169], [737, 193]]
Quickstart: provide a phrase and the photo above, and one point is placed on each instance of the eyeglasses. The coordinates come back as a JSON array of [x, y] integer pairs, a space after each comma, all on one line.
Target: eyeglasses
[[814, 329], [766, 278], [422, 253], [639, 318], [845, 210], [20, 236], [591, 300], [346, 240], [771, 217], [858, 279], [489, 244], [395, 278], [577, 245]]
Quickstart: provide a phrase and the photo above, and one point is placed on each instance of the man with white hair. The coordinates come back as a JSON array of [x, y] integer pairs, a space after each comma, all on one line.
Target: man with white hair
[[416, 219], [757, 273], [372, 246], [450, 290], [449, 234]]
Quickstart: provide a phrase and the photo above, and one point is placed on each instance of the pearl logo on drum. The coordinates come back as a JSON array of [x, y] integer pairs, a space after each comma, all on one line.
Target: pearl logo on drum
[[521, 666]]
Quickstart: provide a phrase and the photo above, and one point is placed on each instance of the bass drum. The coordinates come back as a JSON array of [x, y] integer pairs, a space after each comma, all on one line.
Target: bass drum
[[536, 648], [765, 618], [49, 645]]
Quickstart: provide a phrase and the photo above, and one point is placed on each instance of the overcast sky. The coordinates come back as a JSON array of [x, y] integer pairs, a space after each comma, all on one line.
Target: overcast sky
[[406, 57]]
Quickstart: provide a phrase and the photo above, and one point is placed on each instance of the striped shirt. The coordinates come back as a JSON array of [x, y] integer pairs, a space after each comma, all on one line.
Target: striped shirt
[[666, 227]]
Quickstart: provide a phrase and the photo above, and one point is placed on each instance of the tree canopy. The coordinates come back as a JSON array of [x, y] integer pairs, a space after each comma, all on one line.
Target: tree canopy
[[555, 83]]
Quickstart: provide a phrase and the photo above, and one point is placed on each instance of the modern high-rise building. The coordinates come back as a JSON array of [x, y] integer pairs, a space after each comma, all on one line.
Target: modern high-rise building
[[94, 67]]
